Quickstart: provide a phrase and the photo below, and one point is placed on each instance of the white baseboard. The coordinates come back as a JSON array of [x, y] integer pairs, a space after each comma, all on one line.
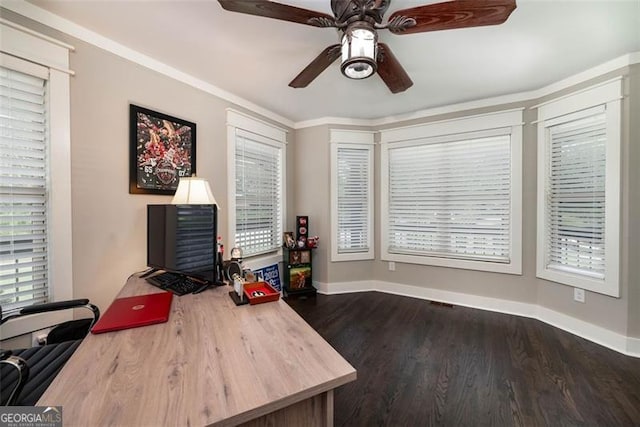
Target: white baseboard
[[605, 337], [344, 287], [456, 298], [633, 347], [586, 330]]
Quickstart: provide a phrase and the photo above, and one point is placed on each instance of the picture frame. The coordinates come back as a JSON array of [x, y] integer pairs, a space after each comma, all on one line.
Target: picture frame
[[302, 228], [162, 150], [294, 257], [300, 277], [287, 240]]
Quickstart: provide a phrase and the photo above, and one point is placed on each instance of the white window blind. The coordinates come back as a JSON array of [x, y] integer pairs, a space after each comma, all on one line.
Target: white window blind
[[258, 195], [353, 169], [451, 199], [575, 196], [579, 181], [23, 190]]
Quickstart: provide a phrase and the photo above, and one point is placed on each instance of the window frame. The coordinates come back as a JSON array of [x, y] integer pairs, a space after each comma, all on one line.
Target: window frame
[[568, 108], [275, 136], [342, 138], [29, 49], [509, 121]]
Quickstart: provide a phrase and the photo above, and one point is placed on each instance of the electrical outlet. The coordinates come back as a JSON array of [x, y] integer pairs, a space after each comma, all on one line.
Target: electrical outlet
[[578, 295], [392, 266]]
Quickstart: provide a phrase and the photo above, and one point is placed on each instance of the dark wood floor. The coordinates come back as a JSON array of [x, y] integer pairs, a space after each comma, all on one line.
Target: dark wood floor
[[421, 364]]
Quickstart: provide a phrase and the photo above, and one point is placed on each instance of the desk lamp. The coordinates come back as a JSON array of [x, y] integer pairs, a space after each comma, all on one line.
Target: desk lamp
[[196, 191]]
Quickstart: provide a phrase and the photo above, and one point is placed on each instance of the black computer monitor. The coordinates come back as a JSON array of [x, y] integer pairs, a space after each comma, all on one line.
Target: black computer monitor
[[182, 239]]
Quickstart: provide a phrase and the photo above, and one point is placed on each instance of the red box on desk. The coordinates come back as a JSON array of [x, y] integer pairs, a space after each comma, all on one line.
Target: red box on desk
[[266, 293]]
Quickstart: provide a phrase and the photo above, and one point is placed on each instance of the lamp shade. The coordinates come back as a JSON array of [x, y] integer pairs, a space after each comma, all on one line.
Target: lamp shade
[[193, 191]]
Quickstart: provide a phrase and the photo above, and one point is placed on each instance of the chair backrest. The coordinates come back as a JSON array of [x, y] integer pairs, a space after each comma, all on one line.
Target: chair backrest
[[27, 373]]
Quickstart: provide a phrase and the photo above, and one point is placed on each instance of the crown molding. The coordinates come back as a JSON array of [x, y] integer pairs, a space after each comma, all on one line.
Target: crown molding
[[532, 95], [56, 22], [334, 121]]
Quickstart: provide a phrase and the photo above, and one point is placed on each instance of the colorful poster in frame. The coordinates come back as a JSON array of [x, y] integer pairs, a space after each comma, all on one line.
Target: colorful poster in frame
[[300, 277], [163, 150]]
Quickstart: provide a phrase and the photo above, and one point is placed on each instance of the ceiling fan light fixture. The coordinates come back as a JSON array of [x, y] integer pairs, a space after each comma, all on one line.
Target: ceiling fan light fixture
[[359, 49]]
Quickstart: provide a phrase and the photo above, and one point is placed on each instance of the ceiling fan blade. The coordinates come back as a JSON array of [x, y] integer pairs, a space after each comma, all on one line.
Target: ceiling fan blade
[[450, 15], [274, 10], [390, 70], [317, 66]]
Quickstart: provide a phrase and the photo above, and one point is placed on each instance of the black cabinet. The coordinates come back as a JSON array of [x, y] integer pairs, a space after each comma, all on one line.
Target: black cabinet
[[297, 272]]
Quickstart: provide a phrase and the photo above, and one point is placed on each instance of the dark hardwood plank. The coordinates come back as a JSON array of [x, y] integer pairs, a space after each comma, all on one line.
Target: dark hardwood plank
[[425, 364]]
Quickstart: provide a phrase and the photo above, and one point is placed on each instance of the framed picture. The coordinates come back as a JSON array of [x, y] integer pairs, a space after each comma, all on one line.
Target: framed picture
[[163, 150], [300, 277], [302, 228], [288, 240], [294, 257]]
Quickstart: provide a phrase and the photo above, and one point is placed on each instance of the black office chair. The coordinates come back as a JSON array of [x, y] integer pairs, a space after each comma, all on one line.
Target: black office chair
[[25, 374]]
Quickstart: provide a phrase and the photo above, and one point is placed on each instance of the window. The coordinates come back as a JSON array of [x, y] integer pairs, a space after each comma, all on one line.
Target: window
[[35, 190], [23, 193], [452, 193], [257, 192], [578, 189], [351, 195]]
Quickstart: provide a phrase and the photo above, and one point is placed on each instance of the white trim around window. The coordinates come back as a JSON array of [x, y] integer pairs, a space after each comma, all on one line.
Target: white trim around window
[[54, 58], [270, 138], [498, 133], [351, 195], [581, 134]]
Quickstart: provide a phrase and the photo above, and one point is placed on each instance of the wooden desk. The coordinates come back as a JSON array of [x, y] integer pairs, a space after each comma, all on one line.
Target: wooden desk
[[212, 363]]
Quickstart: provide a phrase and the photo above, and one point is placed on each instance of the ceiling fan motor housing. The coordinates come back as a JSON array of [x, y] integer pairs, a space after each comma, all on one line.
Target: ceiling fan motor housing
[[348, 11]]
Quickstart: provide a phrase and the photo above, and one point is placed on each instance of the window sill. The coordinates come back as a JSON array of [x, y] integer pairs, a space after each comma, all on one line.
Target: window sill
[[260, 261], [600, 286], [354, 256], [26, 325], [514, 267]]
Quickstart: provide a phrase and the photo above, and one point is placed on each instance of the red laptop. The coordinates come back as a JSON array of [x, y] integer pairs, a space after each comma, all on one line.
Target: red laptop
[[132, 312]]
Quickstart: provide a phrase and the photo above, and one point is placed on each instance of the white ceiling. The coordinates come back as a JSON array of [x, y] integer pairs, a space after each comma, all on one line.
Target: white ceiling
[[255, 58]]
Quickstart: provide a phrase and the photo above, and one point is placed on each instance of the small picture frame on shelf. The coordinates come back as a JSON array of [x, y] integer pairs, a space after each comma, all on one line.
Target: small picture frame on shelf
[[249, 276], [287, 240], [305, 257], [294, 257]]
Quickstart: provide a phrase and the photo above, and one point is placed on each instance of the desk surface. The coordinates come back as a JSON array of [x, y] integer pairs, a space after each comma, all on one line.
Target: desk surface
[[211, 363]]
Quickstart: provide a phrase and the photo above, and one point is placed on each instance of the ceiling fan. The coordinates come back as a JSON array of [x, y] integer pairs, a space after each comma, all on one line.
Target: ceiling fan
[[359, 20]]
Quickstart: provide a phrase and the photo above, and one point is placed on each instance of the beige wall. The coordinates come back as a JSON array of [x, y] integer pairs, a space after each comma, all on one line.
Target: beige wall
[[610, 313], [631, 159], [616, 314], [312, 196], [109, 224]]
